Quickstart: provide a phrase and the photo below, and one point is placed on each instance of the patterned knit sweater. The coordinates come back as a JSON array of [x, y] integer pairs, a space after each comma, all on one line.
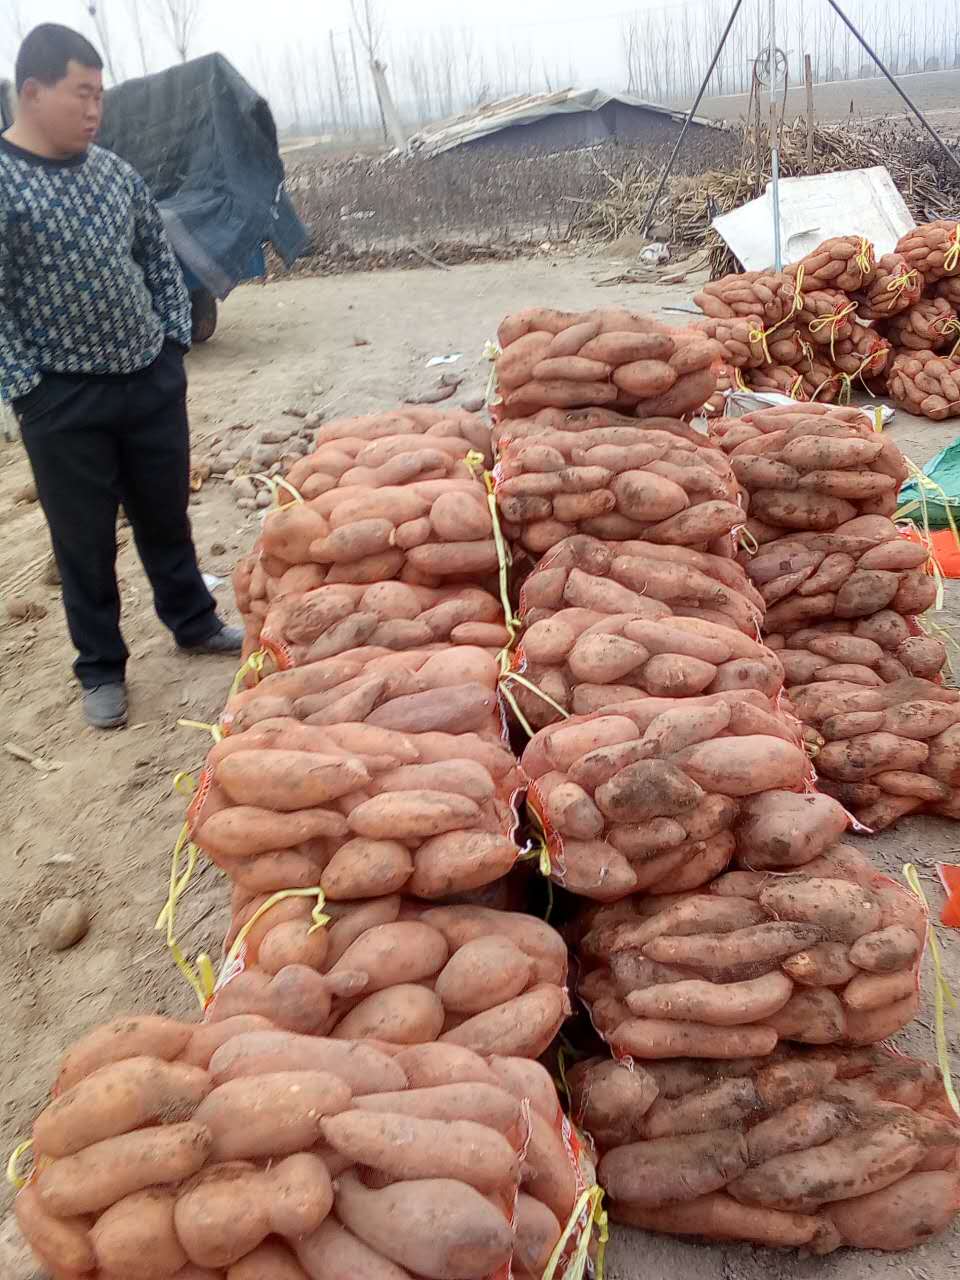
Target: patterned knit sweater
[[88, 282]]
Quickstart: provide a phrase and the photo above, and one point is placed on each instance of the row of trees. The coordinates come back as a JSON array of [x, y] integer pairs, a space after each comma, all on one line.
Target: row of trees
[[667, 51], [135, 37]]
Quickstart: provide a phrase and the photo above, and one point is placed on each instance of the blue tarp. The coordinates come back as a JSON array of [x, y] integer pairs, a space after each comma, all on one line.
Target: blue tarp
[[206, 143]]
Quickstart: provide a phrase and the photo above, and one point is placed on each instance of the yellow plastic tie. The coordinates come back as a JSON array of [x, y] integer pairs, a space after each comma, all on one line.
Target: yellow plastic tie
[[952, 256], [863, 259], [942, 995], [515, 708], [878, 418], [215, 731], [748, 542], [897, 284], [834, 321], [199, 978], [184, 783], [759, 337], [738, 379], [591, 1203], [491, 351], [796, 390], [316, 915], [14, 1177], [252, 666], [514, 676], [504, 562], [474, 462]]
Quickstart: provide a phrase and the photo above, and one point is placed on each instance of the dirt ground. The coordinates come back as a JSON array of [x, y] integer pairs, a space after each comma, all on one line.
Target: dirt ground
[[97, 816]]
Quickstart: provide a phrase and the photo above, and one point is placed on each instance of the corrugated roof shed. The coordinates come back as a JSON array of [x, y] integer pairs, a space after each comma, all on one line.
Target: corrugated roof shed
[[433, 139]]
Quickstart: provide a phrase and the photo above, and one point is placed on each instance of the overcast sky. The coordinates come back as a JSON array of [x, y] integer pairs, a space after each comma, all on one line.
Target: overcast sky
[[560, 30]]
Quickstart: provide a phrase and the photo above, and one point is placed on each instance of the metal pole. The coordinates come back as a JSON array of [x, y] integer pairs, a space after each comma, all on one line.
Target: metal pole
[[774, 149], [913, 107], [644, 226], [808, 78]]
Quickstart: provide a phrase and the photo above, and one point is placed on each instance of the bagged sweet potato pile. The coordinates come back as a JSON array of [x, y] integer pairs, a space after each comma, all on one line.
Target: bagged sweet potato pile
[[442, 689], [895, 287], [605, 358], [932, 249], [826, 316], [862, 567], [810, 467], [301, 628], [929, 325], [926, 384], [865, 355], [755, 959], [884, 751], [619, 483], [398, 972], [604, 622], [741, 338], [646, 797], [770, 296], [809, 1148], [847, 263], [243, 1153], [277, 802], [872, 651], [412, 443]]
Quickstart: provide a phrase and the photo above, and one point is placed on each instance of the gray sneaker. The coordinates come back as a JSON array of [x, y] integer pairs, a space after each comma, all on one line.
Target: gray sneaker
[[228, 640], [105, 707]]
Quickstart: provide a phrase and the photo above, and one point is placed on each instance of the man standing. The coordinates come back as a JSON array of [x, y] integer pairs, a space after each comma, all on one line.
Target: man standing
[[94, 325]]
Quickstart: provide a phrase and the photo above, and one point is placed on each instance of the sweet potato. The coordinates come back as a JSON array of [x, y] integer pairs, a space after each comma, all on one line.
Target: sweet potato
[[718, 1005], [887, 950], [673, 1169], [522, 1027], [650, 1038], [136, 1237], [128, 1036], [407, 1146], [400, 1014], [436, 1228], [364, 868], [743, 766], [117, 1099], [483, 973], [332, 1252], [719, 1217], [844, 911], [63, 1242], [900, 1216], [275, 1114], [413, 815], [362, 1067], [388, 954], [544, 946], [271, 1259], [105, 1172], [230, 1209], [475, 1100], [846, 1167]]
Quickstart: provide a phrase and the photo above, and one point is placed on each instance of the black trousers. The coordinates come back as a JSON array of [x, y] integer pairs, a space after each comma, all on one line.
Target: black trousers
[[95, 442]]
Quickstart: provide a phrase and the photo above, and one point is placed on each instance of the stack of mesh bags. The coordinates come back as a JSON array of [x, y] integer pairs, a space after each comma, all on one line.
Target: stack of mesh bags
[[807, 1148], [390, 496], [659, 481], [608, 358], [234, 1152]]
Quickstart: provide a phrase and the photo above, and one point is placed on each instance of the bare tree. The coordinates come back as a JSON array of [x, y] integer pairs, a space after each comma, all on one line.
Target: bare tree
[[135, 14], [179, 20], [97, 9]]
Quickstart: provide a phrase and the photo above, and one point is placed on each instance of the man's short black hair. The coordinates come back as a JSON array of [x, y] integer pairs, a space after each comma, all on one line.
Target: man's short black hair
[[46, 51]]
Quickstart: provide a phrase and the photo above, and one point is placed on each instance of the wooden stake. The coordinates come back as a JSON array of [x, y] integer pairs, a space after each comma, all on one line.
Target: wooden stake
[[808, 77]]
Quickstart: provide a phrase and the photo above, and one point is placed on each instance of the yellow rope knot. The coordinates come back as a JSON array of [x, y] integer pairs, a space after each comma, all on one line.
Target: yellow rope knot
[[14, 1176], [952, 256], [796, 390], [898, 284], [759, 337], [834, 320], [591, 1205], [864, 264], [252, 666]]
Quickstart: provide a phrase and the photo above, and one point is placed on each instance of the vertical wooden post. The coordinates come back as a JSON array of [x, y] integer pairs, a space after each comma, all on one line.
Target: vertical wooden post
[[808, 77]]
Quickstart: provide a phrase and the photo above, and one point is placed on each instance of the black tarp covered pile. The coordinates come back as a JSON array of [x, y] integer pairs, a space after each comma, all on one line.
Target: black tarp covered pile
[[206, 143]]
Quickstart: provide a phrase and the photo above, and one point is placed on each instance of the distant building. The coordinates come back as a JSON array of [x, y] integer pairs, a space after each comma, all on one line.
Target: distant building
[[563, 121]]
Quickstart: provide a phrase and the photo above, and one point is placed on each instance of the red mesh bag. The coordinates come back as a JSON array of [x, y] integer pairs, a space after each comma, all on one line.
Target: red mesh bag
[[933, 249], [926, 384], [645, 798], [846, 263], [810, 1148], [895, 287]]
